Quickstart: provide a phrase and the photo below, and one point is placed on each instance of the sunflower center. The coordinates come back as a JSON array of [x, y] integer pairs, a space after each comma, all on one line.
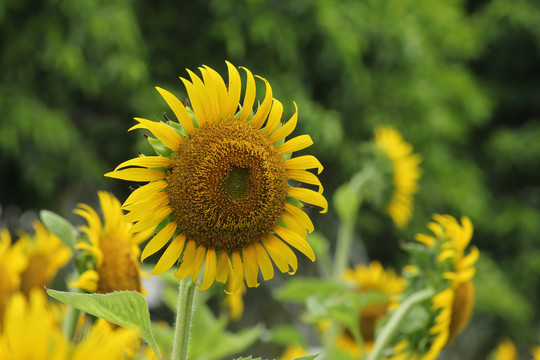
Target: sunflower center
[[227, 186], [119, 269], [236, 182]]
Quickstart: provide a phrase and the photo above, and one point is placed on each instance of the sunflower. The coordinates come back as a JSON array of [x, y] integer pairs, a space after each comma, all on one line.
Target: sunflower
[[406, 173], [31, 331], [218, 192], [535, 352], [376, 280], [454, 302], [12, 264], [113, 248], [46, 254], [292, 352], [505, 351]]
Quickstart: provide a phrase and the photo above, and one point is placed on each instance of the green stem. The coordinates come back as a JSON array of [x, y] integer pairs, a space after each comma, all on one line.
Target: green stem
[[343, 248], [184, 313], [390, 329], [70, 322]]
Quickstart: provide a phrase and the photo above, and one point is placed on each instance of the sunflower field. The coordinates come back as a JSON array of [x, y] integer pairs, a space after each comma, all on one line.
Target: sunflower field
[[257, 179]]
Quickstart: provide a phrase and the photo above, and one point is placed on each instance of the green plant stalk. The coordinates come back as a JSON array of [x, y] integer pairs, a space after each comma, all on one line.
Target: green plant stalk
[[70, 322], [390, 329], [184, 313], [343, 248]]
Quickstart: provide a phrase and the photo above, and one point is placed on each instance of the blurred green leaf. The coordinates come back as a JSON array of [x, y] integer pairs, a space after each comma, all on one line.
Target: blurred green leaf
[[60, 227], [299, 289], [286, 335]]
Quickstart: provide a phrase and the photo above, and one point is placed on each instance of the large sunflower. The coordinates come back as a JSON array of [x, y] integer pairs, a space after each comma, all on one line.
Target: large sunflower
[[406, 173], [218, 192], [114, 249]]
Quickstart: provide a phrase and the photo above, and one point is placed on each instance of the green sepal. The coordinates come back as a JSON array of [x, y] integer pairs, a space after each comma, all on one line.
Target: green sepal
[[124, 308], [177, 127], [159, 147], [60, 227]]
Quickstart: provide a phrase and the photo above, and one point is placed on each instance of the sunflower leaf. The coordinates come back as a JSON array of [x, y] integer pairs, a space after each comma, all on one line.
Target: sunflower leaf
[[123, 308], [299, 289], [307, 357], [59, 227]]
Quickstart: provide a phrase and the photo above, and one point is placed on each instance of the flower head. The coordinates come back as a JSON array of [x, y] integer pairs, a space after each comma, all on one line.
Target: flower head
[[505, 350], [114, 250], [406, 172], [218, 192], [45, 253], [372, 279], [12, 264]]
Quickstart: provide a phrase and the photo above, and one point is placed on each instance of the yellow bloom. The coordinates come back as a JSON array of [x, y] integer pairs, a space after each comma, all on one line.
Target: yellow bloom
[[454, 303], [372, 278], [113, 247], [46, 254], [12, 264], [218, 192], [32, 332], [406, 173], [292, 352], [505, 351], [535, 352]]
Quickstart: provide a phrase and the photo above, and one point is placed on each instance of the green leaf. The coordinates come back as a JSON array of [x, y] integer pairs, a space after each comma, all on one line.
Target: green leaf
[[248, 358], [286, 335], [123, 308], [59, 227], [298, 289], [210, 340], [417, 318], [307, 357]]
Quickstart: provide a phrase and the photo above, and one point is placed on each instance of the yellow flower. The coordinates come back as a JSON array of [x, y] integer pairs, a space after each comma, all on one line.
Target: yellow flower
[[12, 264], [292, 352], [46, 254], [535, 352], [375, 279], [505, 351], [32, 332], [218, 193], [113, 247], [406, 173], [454, 303]]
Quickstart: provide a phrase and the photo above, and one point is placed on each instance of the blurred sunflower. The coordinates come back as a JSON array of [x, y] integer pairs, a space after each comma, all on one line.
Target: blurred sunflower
[[535, 352], [454, 302], [12, 264], [235, 303], [46, 254], [292, 352], [32, 332], [406, 173], [386, 286], [218, 192], [505, 351], [113, 248]]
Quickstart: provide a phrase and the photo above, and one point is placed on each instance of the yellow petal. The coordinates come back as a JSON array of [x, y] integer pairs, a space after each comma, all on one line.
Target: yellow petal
[[136, 174], [236, 276], [220, 89], [293, 224], [170, 256], [234, 90], [178, 108], [88, 281], [159, 240], [300, 216], [295, 144], [310, 197], [222, 267], [152, 202], [303, 163], [209, 90], [305, 177], [267, 269], [249, 96], [196, 103], [282, 255], [251, 268], [167, 135], [295, 241], [262, 111], [187, 261], [286, 129], [151, 221], [274, 118], [146, 161], [198, 262], [209, 269], [145, 191]]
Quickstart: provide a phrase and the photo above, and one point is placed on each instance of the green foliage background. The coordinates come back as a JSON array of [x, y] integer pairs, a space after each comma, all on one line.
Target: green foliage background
[[459, 79]]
